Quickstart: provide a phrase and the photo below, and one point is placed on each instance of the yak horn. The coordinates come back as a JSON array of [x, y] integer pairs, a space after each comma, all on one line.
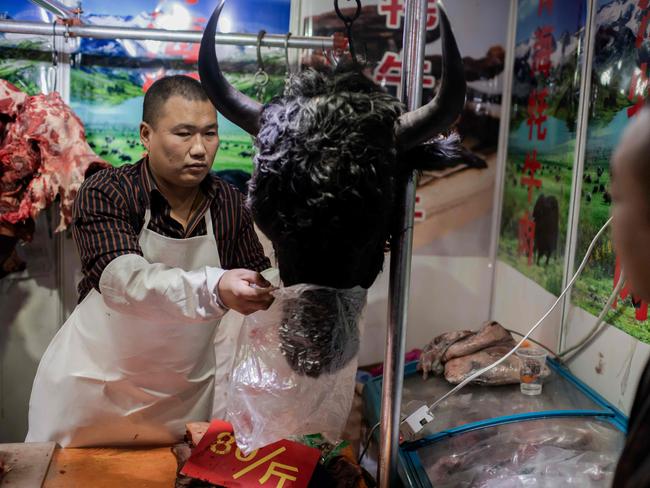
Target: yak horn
[[439, 114], [235, 106]]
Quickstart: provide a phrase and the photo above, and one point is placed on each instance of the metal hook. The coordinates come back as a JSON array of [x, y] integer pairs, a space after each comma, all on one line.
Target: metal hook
[[260, 62], [52, 70], [331, 58], [54, 53], [348, 21], [286, 54]]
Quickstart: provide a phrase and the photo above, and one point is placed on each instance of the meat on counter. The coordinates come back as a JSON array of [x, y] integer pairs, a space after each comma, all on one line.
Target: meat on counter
[[459, 354]]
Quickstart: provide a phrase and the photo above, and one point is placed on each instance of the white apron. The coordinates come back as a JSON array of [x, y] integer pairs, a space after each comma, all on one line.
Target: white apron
[[109, 378]]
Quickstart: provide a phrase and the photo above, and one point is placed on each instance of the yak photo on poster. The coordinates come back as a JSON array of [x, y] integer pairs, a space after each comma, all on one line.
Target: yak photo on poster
[[453, 204], [541, 143], [619, 89]]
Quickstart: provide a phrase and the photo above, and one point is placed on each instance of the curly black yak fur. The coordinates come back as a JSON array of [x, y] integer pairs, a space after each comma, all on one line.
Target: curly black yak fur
[[324, 179], [326, 172], [323, 191]]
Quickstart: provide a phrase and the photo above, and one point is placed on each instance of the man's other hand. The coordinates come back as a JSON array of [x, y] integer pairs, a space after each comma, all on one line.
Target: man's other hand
[[245, 291]]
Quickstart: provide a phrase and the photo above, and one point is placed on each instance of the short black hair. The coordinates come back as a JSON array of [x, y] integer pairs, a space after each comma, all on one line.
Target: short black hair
[[165, 88]]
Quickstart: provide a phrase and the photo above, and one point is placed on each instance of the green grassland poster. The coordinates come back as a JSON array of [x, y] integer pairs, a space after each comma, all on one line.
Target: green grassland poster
[[541, 143], [108, 77], [109, 101], [619, 86]]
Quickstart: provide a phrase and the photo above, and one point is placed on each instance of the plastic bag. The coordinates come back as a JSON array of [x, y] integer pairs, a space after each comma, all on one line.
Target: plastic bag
[[295, 366]]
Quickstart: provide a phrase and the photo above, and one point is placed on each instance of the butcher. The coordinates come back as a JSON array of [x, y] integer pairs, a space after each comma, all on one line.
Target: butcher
[[167, 248], [631, 236]]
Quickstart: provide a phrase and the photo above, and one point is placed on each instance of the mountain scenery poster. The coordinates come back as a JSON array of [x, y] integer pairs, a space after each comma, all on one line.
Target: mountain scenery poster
[[541, 143], [108, 77], [619, 87]]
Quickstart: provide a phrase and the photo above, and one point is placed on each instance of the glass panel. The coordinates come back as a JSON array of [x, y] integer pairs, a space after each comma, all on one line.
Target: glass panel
[[475, 403], [619, 89], [25, 59], [544, 453]]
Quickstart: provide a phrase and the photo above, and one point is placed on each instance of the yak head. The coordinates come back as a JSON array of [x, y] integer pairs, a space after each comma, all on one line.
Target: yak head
[[330, 153]]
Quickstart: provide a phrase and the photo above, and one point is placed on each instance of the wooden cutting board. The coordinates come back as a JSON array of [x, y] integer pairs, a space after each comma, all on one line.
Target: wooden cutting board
[[28, 463], [112, 468]]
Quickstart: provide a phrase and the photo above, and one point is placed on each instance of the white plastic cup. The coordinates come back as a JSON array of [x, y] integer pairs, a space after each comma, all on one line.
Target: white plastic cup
[[532, 365]]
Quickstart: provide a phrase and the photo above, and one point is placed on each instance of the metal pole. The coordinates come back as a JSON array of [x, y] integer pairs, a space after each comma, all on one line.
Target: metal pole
[[502, 151], [415, 19], [108, 32], [578, 163]]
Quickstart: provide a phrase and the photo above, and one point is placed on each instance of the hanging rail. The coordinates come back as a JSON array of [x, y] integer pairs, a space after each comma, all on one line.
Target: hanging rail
[[111, 32]]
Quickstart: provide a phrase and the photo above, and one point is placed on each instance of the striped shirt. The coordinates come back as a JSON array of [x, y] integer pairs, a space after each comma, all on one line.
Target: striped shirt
[[109, 211]]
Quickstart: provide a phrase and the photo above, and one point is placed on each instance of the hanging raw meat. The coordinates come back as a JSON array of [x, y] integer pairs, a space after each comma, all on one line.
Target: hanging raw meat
[[43, 155]]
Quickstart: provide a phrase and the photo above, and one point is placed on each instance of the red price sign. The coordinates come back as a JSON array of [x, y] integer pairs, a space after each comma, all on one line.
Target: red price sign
[[218, 460]]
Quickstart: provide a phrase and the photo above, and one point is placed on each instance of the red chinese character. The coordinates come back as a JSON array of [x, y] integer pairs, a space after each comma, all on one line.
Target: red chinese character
[[638, 87], [427, 80], [640, 305], [641, 308], [389, 71], [393, 10], [526, 237], [544, 3], [536, 106], [531, 165], [542, 50], [432, 15]]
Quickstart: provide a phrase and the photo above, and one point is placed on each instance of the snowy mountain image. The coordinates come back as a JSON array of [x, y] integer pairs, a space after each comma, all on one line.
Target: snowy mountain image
[[618, 24], [167, 15]]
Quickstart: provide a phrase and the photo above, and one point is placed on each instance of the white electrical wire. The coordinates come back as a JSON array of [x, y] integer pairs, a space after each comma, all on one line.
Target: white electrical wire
[[600, 319], [496, 363]]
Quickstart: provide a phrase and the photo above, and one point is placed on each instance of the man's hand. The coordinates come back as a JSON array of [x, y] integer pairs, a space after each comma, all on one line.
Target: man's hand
[[245, 291]]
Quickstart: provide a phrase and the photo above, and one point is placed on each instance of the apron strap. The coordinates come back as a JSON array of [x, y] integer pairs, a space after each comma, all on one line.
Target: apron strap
[[209, 228], [147, 219]]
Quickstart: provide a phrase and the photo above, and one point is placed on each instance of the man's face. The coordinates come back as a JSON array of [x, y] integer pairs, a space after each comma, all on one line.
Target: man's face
[[183, 141], [631, 212]]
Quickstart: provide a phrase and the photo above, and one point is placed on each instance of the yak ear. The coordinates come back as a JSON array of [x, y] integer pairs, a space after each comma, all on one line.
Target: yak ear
[[442, 153]]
